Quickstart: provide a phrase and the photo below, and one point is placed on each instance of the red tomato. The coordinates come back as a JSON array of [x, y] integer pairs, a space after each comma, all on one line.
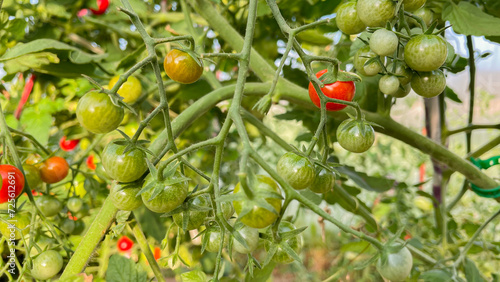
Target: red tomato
[[68, 145], [342, 90], [125, 243], [90, 162], [53, 169], [102, 6], [12, 182]]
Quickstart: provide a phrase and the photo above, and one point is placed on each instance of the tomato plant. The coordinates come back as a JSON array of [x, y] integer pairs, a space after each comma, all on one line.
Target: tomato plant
[[213, 240], [361, 58], [428, 84], [12, 183], [251, 237], [281, 254], [196, 217], [182, 67], [342, 90], [323, 181], [384, 42], [33, 176], [374, 13], [53, 169], [18, 227], [74, 204], [48, 205]]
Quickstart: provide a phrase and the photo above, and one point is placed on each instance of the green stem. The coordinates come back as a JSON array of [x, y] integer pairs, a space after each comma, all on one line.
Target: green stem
[[469, 128], [472, 89], [146, 250], [91, 240]]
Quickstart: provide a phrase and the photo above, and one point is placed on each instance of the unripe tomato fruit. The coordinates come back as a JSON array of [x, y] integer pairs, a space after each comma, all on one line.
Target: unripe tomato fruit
[[22, 220], [402, 92], [46, 265], [33, 176], [361, 57], [125, 198], [68, 226], [389, 84], [74, 204], [297, 171], [402, 70], [181, 67], [123, 167], [169, 198], [295, 243], [53, 169], [342, 90], [425, 52], [395, 266], [97, 113], [196, 218], [413, 5], [428, 84], [48, 205], [214, 240], [260, 217], [79, 227], [347, 19], [384, 42], [12, 182], [251, 237], [324, 181], [355, 136], [68, 145], [130, 90], [375, 13]]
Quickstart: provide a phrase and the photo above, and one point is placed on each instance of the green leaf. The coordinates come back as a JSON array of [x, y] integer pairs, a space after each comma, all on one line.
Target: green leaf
[[313, 197], [122, 269], [436, 275], [293, 233], [468, 19], [76, 55], [472, 274], [285, 247], [313, 37], [37, 124], [370, 183], [261, 275], [450, 94], [194, 276], [30, 61]]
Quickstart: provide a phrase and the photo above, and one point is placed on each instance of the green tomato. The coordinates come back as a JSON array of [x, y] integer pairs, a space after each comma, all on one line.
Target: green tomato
[[388, 84], [395, 266], [251, 237], [227, 209], [376, 13], [10, 228], [47, 265], [281, 256], [123, 167], [347, 19], [361, 57], [428, 84], [413, 5], [451, 54], [74, 204], [324, 181], [97, 113], [170, 197], [214, 241], [125, 197], [48, 205], [130, 90], [196, 218], [384, 42], [402, 70], [79, 227], [402, 92], [33, 176], [425, 52], [68, 226], [260, 217], [425, 14], [297, 171], [355, 136]]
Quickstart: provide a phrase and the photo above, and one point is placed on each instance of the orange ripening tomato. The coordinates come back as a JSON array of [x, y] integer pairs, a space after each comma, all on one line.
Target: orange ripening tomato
[[53, 169]]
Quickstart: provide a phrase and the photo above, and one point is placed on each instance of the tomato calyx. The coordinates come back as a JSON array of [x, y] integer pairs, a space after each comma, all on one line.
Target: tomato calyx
[[186, 209], [168, 177], [333, 75], [284, 242]]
